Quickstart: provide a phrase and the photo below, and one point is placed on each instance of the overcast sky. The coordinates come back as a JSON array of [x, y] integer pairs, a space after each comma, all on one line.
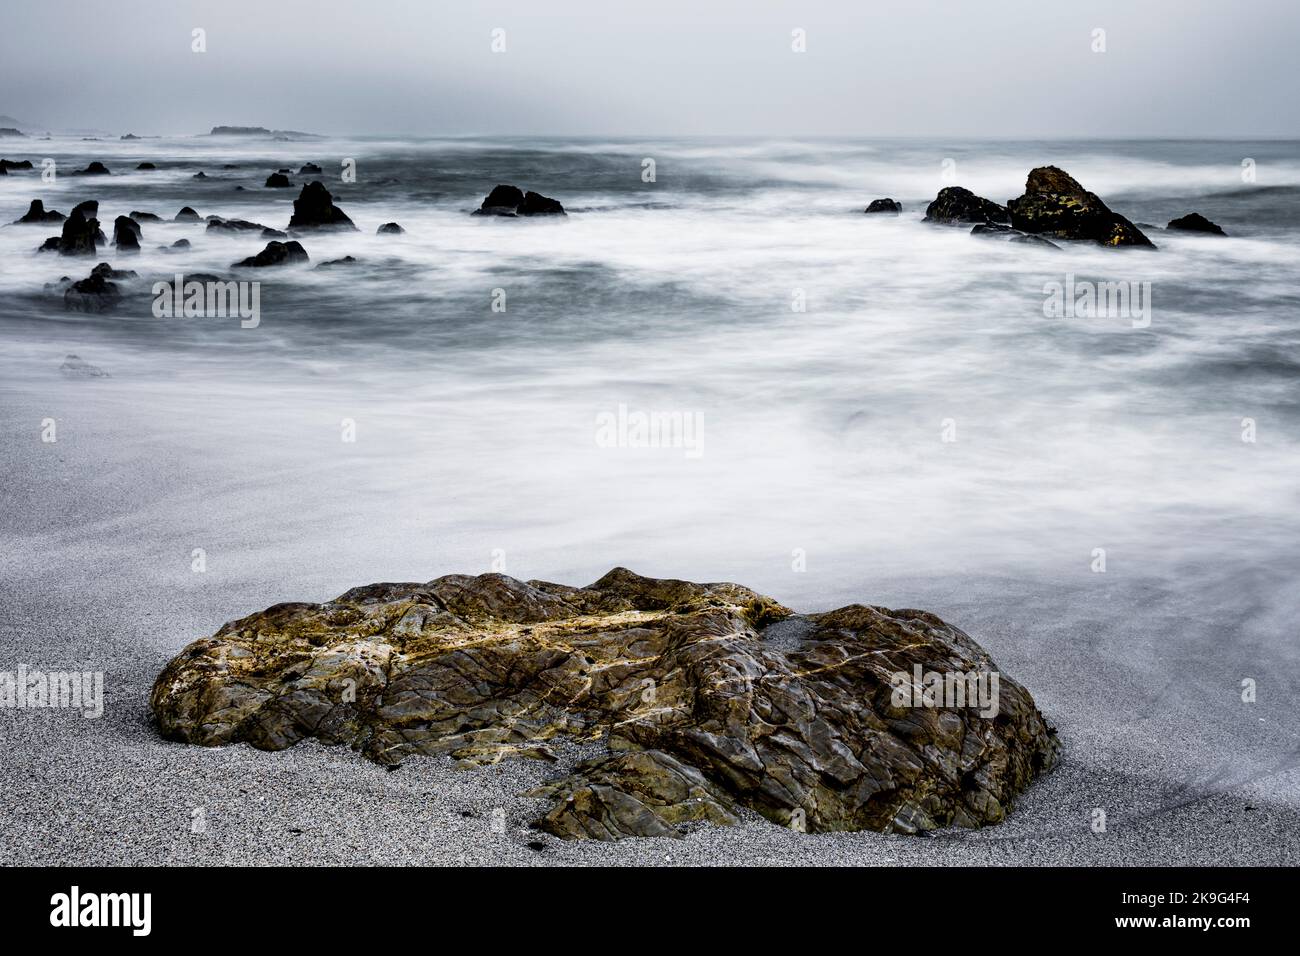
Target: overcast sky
[[1021, 68]]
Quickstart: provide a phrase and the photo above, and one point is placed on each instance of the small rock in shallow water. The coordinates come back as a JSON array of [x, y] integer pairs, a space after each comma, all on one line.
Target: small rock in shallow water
[[846, 728], [1195, 222], [146, 166], [75, 367], [275, 254], [309, 169], [510, 201], [94, 169], [956, 205], [389, 229], [278, 181], [885, 206], [187, 215]]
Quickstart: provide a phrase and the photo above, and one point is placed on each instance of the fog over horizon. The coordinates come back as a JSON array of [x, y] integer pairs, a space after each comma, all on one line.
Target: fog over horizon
[[1009, 68]]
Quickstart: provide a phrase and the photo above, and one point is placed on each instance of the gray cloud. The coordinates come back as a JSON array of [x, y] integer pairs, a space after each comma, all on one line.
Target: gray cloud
[[922, 67]]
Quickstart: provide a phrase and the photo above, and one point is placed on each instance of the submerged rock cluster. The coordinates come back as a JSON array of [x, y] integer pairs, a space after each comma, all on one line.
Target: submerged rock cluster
[[708, 701]]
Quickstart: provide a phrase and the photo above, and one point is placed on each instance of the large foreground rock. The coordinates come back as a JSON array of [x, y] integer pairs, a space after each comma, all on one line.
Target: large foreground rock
[[710, 700], [1054, 204]]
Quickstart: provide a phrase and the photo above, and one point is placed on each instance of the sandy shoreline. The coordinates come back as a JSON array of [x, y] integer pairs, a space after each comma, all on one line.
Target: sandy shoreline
[[1146, 707]]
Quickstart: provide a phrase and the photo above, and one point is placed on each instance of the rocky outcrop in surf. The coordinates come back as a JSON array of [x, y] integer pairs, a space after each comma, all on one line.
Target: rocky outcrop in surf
[[510, 201], [709, 701], [37, 213], [884, 206], [957, 205], [1195, 222], [275, 254], [314, 209], [1055, 205]]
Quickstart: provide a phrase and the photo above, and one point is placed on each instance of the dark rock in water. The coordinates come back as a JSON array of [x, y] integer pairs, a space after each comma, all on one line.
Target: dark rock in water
[[1033, 240], [703, 717], [146, 166], [1054, 204], [535, 204], [335, 263], [97, 292], [10, 131], [200, 175], [81, 232], [314, 209], [75, 367], [50, 245], [239, 189], [94, 169], [269, 233], [389, 229], [229, 165], [505, 200], [501, 201], [8, 164], [884, 205], [187, 215], [284, 170], [129, 136], [1195, 222], [275, 254], [3, 171], [994, 230], [37, 212], [108, 272], [217, 224], [126, 234], [956, 204], [309, 169], [180, 245], [278, 181], [145, 216]]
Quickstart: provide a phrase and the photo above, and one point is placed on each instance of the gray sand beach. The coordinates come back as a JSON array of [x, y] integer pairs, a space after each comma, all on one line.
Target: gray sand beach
[[96, 575]]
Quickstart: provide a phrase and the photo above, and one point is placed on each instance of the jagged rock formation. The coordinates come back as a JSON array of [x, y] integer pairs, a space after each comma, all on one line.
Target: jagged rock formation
[[1054, 204], [37, 212], [711, 700], [314, 209]]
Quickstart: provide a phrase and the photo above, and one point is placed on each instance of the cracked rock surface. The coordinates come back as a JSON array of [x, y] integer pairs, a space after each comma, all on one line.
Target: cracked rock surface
[[710, 700]]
